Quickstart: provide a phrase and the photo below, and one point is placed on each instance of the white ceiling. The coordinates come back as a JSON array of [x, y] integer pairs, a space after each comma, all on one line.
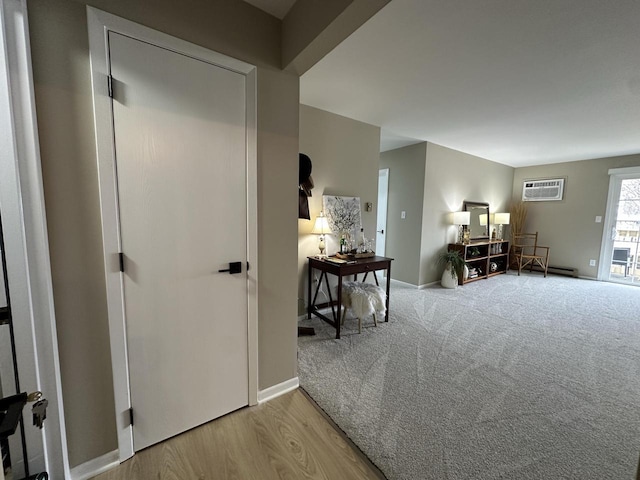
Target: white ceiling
[[277, 8], [520, 82]]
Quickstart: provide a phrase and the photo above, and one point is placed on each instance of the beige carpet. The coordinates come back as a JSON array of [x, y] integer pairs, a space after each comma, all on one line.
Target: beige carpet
[[508, 378]]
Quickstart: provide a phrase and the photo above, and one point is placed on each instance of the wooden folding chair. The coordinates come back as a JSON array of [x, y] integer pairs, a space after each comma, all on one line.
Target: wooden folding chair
[[526, 251]]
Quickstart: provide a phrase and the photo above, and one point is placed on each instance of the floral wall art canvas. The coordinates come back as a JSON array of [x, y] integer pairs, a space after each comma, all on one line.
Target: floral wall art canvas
[[343, 215]]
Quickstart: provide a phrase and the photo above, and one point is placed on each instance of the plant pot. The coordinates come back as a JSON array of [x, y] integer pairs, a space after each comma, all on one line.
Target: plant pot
[[448, 280]]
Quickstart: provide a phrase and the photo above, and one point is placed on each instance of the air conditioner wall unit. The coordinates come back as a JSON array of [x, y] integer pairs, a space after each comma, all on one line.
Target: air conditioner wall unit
[[543, 190]]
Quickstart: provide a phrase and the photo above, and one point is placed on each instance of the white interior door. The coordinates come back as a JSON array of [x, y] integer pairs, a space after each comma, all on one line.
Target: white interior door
[[180, 142], [383, 194]]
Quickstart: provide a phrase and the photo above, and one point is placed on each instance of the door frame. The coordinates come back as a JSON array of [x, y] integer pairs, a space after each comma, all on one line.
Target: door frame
[[386, 209], [616, 175], [99, 25], [27, 242]]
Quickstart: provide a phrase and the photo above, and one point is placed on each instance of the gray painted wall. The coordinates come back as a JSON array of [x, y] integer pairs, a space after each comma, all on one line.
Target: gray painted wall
[[304, 22], [311, 29], [345, 156], [568, 226], [429, 182], [406, 192], [65, 120], [451, 178]]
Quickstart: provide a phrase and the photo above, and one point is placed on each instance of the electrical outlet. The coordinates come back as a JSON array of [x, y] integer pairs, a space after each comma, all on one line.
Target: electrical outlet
[[598, 219], [592, 263], [403, 214]]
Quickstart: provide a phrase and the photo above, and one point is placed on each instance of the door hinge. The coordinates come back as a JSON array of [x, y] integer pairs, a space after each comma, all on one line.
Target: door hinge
[[131, 416], [110, 86], [121, 258]]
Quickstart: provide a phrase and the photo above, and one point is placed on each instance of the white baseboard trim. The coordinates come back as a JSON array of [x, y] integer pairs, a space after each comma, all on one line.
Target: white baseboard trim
[[404, 283], [96, 466], [277, 390], [427, 285], [110, 460]]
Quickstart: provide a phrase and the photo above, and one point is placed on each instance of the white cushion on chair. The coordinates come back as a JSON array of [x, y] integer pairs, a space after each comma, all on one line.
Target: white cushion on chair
[[378, 297], [363, 299]]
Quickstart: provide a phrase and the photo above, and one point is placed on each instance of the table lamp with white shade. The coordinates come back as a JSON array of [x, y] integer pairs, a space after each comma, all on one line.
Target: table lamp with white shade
[[501, 219], [461, 219], [321, 227]]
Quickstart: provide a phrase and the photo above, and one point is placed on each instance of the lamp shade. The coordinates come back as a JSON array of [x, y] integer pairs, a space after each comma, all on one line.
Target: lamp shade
[[461, 218], [321, 226], [502, 218]]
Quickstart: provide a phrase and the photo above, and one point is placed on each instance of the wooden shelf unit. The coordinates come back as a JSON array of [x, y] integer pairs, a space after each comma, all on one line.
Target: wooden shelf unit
[[481, 256]]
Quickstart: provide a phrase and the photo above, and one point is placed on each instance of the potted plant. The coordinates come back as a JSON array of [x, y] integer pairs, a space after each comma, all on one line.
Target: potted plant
[[454, 264]]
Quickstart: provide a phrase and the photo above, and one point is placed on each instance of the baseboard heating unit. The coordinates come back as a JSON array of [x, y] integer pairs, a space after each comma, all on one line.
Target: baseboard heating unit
[[568, 271]]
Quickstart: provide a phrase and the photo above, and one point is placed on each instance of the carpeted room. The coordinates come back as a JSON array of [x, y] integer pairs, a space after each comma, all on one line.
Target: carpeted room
[[509, 377], [514, 377]]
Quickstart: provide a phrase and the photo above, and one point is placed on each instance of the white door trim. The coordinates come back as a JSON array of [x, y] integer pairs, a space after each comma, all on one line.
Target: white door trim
[[99, 24], [616, 175], [382, 172], [26, 241]]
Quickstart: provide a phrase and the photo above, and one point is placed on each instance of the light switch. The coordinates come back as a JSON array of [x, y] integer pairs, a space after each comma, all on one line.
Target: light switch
[[598, 219], [403, 214]]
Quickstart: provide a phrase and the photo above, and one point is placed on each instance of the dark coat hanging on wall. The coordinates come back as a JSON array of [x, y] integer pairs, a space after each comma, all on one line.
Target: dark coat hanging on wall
[[305, 184]]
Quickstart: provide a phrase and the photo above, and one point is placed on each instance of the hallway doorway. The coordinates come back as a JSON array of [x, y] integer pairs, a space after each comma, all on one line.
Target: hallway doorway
[[381, 224]]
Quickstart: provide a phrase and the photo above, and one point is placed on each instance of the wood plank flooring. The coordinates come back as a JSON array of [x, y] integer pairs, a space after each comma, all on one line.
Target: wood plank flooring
[[285, 438]]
